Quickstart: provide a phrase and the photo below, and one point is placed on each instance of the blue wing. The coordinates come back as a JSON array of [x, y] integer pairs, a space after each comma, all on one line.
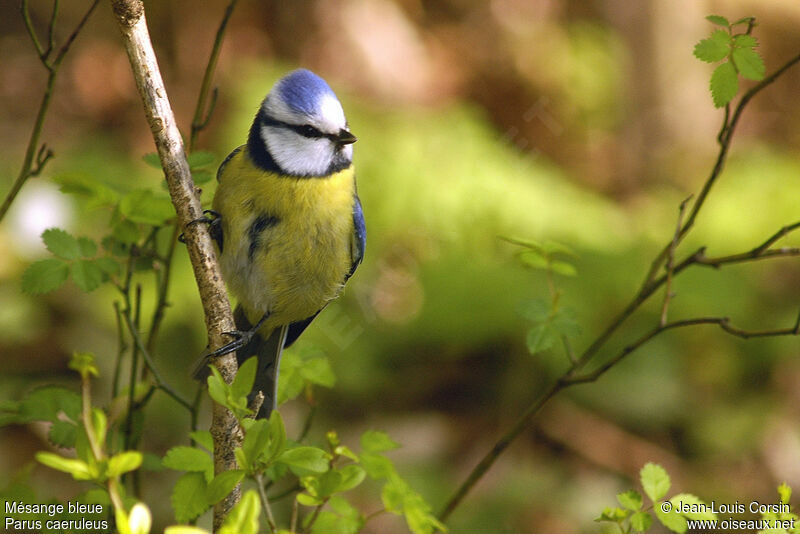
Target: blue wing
[[357, 247]]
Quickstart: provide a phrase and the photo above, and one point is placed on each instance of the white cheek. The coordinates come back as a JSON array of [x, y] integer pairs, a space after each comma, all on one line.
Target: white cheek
[[297, 154]]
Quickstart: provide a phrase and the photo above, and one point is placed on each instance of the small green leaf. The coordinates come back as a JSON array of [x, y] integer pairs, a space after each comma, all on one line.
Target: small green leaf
[[563, 268], [217, 387], [255, 442], [87, 275], [125, 231], [672, 520], [61, 243], [785, 492], [340, 518], [376, 465], [222, 485], [614, 515], [204, 439], [377, 441], [277, 437], [62, 434], [724, 84], [47, 402], [352, 476], [305, 460], [655, 481], [145, 206], [534, 260], [183, 458], [537, 310], [200, 159], [245, 377], [744, 41], [631, 499], [77, 468], [100, 425], [243, 519], [318, 371], [541, 337], [393, 495], [88, 248], [44, 276], [123, 462], [749, 63], [641, 521], [719, 20], [152, 159], [189, 497], [84, 363], [743, 20], [715, 48]]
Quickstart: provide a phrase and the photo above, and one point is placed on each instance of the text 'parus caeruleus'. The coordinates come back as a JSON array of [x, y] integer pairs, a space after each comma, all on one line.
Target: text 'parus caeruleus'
[[290, 229]]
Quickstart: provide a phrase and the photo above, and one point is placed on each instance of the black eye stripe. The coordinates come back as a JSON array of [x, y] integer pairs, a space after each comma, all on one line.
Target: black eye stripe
[[306, 130]]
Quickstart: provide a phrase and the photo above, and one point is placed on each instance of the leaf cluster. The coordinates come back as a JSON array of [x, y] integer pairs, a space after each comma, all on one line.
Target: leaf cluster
[[737, 53]]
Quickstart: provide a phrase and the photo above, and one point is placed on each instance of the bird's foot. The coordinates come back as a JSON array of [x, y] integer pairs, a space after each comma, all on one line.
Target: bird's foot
[[241, 338], [214, 221]]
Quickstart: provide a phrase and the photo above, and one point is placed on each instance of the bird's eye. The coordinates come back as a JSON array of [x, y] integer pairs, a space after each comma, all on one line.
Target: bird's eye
[[308, 131]]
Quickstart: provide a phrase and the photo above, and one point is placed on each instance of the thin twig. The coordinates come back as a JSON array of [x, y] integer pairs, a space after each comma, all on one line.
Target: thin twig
[[650, 285], [671, 261], [265, 502], [199, 121], [52, 67]]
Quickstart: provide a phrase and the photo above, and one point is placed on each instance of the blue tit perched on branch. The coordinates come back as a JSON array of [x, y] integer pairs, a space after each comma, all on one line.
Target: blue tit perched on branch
[[289, 225]]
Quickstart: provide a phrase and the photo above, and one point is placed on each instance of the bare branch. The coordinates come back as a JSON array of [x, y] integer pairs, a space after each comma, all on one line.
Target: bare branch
[[133, 26], [671, 261]]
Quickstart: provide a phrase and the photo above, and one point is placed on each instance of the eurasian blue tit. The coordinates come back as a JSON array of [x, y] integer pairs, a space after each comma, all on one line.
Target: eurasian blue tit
[[289, 228]]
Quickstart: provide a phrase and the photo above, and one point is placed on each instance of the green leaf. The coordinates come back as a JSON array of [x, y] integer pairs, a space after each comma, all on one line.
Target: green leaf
[[62, 434], [672, 520], [200, 159], [204, 439], [537, 310], [123, 462], [305, 460], [563, 268], [785, 492], [245, 378], [655, 481], [125, 231], [222, 485], [631, 499], [697, 509], [145, 206], [564, 323], [719, 20], [533, 259], [46, 403], [109, 266], [183, 458], [352, 476], [84, 363], [277, 437], [243, 519], [318, 371], [88, 248], [377, 441], [376, 465], [641, 521], [99, 425], [614, 515], [189, 497], [340, 518], [715, 48], [743, 20], [77, 468], [255, 442], [744, 41], [61, 243], [217, 387], [152, 159], [44, 276], [393, 495], [749, 63], [724, 84], [87, 275], [540, 338]]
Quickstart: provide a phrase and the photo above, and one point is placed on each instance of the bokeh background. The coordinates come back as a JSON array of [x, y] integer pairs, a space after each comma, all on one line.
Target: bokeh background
[[581, 122]]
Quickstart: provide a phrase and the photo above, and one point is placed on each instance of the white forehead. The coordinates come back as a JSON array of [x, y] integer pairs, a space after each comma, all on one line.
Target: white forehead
[[331, 114]]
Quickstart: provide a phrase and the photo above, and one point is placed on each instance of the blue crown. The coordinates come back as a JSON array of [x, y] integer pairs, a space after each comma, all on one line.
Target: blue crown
[[302, 90]]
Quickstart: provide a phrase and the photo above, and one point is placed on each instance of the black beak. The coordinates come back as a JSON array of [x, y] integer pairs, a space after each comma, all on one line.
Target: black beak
[[345, 137]]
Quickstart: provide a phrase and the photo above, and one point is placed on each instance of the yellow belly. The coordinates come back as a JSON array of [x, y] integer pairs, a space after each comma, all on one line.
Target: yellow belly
[[300, 262]]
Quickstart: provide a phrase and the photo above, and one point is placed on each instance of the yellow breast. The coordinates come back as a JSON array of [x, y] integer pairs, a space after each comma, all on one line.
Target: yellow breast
[[286, 247]]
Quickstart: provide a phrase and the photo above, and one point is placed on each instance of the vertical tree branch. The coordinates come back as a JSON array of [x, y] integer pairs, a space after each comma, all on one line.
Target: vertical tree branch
[[133, 26]]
